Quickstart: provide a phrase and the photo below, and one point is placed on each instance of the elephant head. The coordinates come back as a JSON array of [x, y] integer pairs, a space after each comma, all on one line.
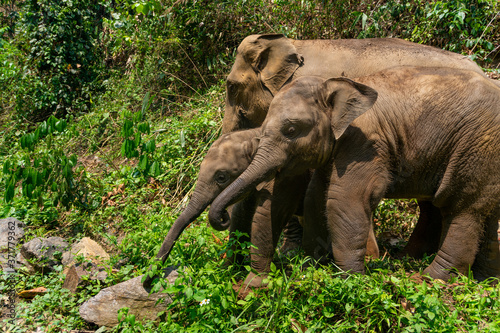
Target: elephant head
[[226, 159], [304, 121], [264, 63]]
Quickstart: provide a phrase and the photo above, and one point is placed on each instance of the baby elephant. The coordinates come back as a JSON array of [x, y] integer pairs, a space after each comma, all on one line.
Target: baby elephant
[[431, 134], [226, 159]]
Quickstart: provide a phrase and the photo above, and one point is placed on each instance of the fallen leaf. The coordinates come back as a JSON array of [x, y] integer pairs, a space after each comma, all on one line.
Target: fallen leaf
[[405, 304], [32, 292], [419, 278], [217, 239]]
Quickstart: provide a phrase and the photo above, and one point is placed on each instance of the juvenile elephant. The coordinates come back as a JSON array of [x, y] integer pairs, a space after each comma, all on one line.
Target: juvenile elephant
[[226, 159], [265, 64], [432, 134]]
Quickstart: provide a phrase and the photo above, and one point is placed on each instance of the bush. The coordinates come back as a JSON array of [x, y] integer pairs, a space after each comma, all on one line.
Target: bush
[[63, 62], [463, 26]]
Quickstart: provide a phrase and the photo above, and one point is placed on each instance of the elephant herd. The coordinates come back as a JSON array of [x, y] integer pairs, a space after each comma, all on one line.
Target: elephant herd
[[325, 129]]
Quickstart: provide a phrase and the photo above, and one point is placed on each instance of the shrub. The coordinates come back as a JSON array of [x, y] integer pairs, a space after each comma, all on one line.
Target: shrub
[[63, 62]]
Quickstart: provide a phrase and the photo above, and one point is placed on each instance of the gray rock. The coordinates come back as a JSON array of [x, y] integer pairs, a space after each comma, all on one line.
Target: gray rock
[[10, 227], [93, 265], [41, 253], [78, 275], [102, 309], [88, 249]]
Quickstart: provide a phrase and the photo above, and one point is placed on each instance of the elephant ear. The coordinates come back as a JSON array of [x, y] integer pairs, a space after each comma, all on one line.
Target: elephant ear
[[346, 100], [250, 148], [273, 57]]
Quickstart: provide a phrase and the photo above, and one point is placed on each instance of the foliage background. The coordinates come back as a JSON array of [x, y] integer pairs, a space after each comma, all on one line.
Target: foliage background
[[108, 107]]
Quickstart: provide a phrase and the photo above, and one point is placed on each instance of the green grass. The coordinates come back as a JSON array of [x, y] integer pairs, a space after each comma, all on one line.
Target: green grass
[[389, 298]]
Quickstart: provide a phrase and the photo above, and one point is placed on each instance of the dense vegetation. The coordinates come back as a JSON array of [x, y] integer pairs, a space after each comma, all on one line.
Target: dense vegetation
[[107, 109]]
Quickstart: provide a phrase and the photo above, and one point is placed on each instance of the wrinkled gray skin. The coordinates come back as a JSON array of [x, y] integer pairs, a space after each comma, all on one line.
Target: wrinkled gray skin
[[432, 134], [265, 64]]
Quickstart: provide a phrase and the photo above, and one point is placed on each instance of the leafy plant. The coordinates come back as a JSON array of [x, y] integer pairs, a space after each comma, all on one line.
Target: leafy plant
[[463, 26], [41, 169], [134, 146], [62, 63]]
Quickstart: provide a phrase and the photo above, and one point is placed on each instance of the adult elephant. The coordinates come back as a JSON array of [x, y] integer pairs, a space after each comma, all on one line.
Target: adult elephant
[[264, 64], [433, 134]]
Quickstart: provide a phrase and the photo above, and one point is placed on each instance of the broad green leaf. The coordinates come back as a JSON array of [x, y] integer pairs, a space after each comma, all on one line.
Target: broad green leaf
[[33, 176], [144, 128], [127, 129], [150, 146], [143, 162], [154, 170], [124, 148], [9, 190], [29, 190], [137, 139], [6, 167]]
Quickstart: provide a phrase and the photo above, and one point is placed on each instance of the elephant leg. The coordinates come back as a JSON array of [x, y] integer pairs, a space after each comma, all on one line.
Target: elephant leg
[[292, 235], [241, 220], [487, 263], [316, 240], [462, 233], [349, 227], [351, 199], [277, 203], [426, 236], [264, 236], [372, 249]]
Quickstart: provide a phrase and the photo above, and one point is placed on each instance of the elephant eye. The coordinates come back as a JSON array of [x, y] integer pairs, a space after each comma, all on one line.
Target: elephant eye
[[232, 89], [221, 177], [242, 112], [290, 131]]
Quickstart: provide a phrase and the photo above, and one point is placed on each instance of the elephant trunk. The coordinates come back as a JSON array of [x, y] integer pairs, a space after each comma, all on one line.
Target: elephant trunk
[[194, 209], [263, 168]]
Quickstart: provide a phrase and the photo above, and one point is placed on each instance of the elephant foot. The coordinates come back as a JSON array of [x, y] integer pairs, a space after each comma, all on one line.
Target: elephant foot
[[255, 280], [440, 274], [487, 263], [252, 281], [289, 248]]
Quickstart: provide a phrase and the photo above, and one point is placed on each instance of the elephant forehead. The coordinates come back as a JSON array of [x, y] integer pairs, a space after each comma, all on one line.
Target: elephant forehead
[[226, 156], [240, 67], [290, 104]]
